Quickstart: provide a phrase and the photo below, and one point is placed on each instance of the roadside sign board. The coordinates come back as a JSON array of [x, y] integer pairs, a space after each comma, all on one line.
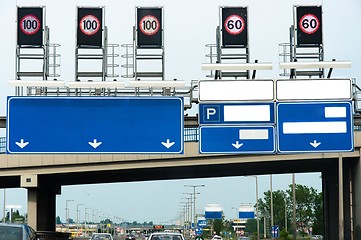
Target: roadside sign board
[[234, 26], [236, 139], [314, 127], [149, 27], [236, 113], [95, 125], [30, 26], [90, 27], [309, 25], [275, 231]]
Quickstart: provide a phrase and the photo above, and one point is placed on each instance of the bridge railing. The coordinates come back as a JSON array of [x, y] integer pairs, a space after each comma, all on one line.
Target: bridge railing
[[2, 144]]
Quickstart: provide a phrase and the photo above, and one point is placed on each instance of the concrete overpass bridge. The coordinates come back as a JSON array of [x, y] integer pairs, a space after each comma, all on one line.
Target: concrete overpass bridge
[[43, 176]]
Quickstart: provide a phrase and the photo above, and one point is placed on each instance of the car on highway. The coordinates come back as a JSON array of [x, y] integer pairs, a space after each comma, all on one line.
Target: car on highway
[[166, 236], [216, 237], [101, 236], [15, 231], [130, 237]]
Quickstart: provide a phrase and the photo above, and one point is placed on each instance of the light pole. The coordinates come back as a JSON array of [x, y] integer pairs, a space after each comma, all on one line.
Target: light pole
[[271, 196], [257, 212], [85, 220], [67, 214], [194, 201], [236, 219], [4, 205], [77, 218]]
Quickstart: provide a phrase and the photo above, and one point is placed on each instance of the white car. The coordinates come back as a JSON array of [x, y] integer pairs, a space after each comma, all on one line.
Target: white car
[[101, 236], [166, 236], [216, 237]]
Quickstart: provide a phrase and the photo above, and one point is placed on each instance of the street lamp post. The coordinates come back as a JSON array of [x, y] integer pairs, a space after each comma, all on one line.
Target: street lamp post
[[77, 218], [271, 196], [194, 201], [4, 205], [85, 221], [67, 214], [257, 212]]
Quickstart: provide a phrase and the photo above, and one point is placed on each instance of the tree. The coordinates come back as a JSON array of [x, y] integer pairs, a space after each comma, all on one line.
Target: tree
[[218, 226], [264, 206], [318, 225], [58, 221], [305, 205]]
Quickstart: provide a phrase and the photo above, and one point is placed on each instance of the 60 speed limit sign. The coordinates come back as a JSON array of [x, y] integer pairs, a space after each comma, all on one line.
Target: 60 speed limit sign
[[89, 25], [149, 25], [234, 24], [30, 24], [309, 23]]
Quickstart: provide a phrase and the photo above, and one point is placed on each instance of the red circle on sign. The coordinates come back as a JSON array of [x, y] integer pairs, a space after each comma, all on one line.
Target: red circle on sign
[[149, 25], [234, 24], [30, 24], [89, 25], [309, 23]]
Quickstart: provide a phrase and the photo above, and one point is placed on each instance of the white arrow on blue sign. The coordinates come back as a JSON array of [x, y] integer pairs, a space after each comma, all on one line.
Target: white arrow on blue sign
[[315, 127], [95, 125], [236, 139]]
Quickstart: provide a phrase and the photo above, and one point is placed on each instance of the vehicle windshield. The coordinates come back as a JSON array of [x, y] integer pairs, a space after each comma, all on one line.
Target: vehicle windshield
[[101, 237], [166, 237], [11, 233]]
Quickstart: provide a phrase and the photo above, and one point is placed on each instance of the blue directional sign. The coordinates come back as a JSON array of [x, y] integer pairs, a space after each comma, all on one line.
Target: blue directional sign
[[237, 139], [275, 231], [315, 127], [236, 113], [202, 223], [95, 125]]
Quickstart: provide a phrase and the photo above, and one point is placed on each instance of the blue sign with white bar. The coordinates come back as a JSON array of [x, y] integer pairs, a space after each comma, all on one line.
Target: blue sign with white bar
[[213, 215], [95, 125], [237, 139], [315, 127], [236, 113], [246, 215], [202, 223]]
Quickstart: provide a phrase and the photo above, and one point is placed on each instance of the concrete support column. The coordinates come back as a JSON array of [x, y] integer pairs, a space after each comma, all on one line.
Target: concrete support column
[[330, 200], [42, 209], [32, 208], [356, 206]]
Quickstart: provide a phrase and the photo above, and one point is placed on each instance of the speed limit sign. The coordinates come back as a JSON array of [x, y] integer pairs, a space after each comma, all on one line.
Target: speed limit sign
[[309, 23], [234, 24], [149, 25], [30, 24], [89, 25]]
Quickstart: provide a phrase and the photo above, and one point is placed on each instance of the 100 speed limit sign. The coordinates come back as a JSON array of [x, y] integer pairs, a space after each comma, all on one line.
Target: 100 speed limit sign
[[234, 24], [149, 25], [30, 24], [309, 23], [89, 25]]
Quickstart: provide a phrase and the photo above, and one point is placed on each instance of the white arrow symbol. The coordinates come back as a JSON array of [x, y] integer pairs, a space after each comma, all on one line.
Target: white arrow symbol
[[95, 144], [168, 144], [22, 144], [315, 144], [237, 144]]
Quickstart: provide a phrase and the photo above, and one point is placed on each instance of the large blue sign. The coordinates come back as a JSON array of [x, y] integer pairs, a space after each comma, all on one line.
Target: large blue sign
[[236, 113], [202, 223], [95, 125], [246, 215], [315, 127], [237, 139], [213, 215]]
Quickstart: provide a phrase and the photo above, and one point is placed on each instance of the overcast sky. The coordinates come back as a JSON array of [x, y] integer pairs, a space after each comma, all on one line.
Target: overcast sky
[[188, 26]]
